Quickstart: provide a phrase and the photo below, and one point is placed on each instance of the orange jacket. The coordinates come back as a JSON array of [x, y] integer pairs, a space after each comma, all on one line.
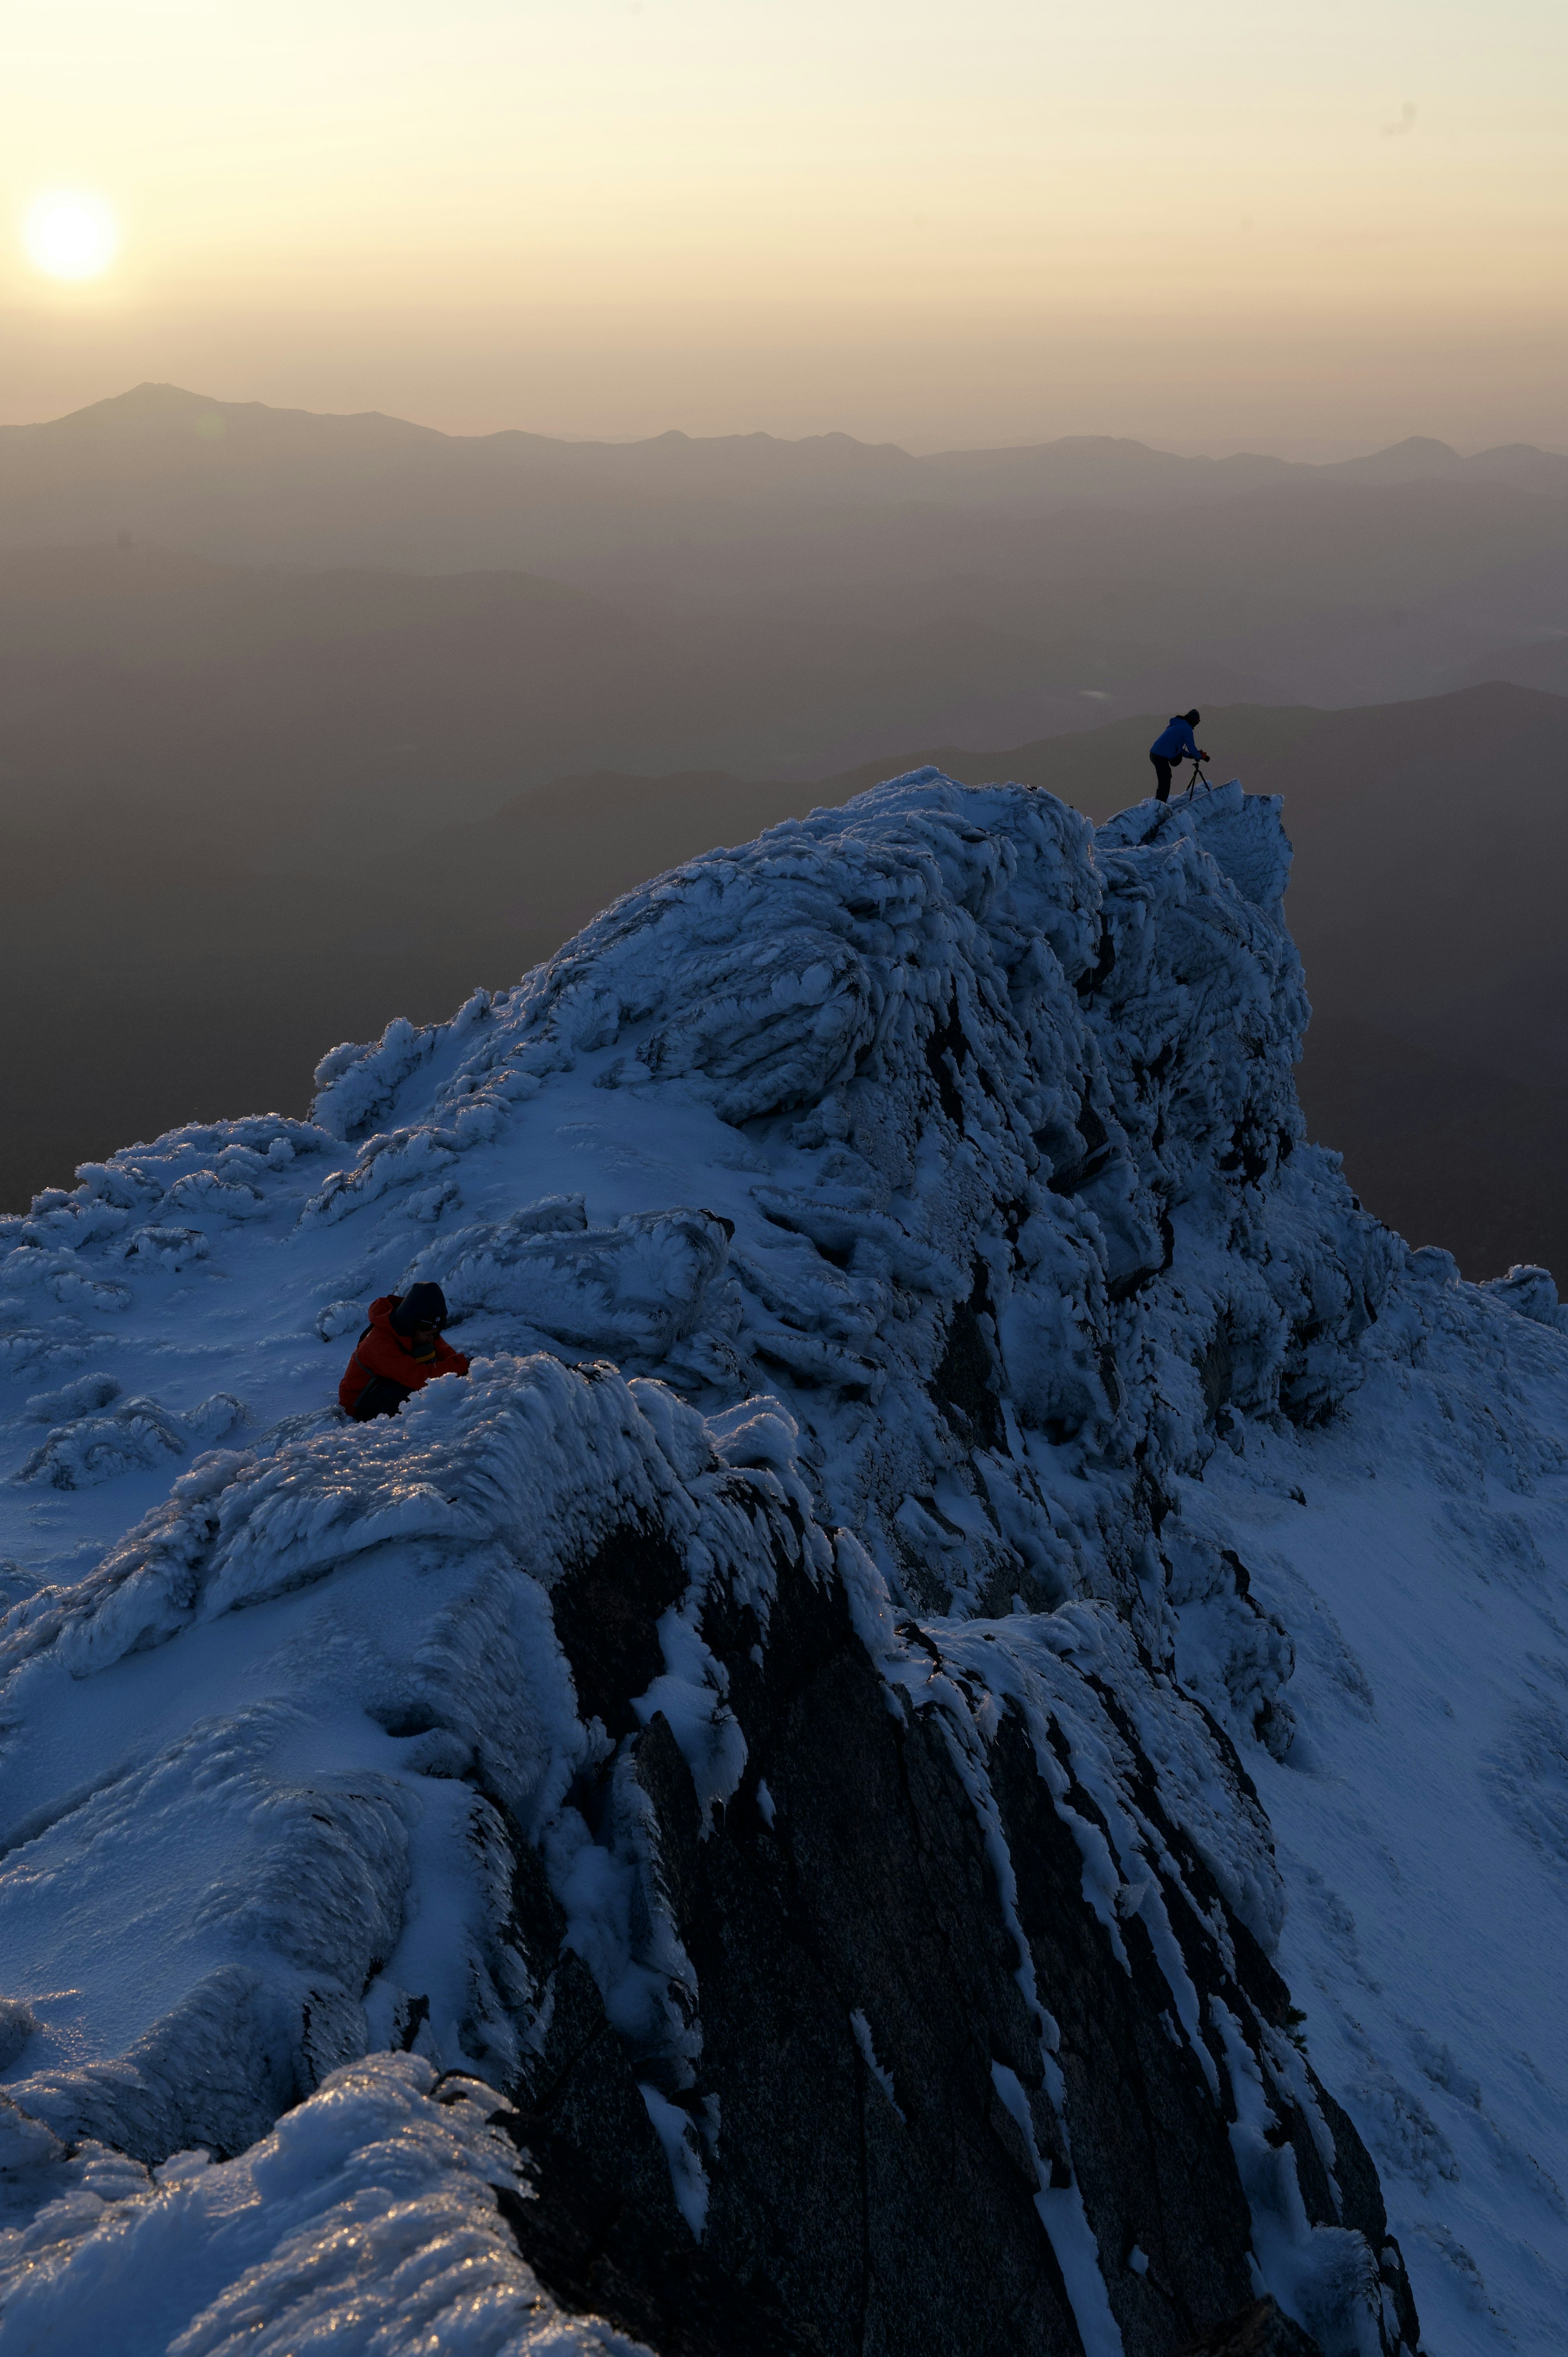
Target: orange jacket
[[382, 1352]]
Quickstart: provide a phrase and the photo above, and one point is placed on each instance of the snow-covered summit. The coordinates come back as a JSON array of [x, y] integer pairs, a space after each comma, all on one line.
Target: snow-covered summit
[[927, 1399]]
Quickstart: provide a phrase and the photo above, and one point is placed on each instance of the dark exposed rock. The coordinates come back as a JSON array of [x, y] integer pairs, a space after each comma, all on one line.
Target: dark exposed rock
[[1362, 2206], [1214, 1370], [605, 1610], [1094, 976], [965, 1382], [580, 2081], [1260, 2330], [1149, 2145], [874, 2103], [1083, 1154], [599, 2252], [868, 1895], [946, 1048]]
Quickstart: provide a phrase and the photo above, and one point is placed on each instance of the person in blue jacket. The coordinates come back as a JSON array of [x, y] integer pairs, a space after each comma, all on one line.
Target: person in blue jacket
[[1174, 744]]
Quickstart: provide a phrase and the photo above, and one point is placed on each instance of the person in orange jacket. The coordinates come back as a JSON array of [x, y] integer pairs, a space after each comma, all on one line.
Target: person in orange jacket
[[399, 1353]]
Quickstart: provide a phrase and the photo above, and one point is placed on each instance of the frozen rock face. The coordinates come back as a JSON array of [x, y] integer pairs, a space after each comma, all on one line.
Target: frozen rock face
[[738, 1824]]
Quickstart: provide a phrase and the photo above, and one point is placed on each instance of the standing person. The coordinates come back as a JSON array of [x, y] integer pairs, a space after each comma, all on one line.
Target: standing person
[[1175, 743], [399, 1353]]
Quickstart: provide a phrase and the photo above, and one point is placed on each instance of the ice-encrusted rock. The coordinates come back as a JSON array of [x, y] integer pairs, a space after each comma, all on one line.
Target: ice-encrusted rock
[[368, 2218], [772, 1722], [91, 1448], [994, 1848], [1003, 1071]]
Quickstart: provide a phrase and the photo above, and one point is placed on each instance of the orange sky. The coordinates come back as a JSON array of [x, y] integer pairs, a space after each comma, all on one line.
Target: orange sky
[[1230, 223]]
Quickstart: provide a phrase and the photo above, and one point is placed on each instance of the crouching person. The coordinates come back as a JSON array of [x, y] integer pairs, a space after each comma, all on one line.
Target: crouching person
[[399, 1353]]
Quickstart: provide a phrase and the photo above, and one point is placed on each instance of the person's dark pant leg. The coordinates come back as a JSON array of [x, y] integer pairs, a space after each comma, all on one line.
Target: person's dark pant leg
[[380, 1397], [1162, 778]]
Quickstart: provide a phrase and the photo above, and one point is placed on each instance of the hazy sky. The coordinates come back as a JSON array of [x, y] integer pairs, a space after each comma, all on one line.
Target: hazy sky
[[1235, 221]]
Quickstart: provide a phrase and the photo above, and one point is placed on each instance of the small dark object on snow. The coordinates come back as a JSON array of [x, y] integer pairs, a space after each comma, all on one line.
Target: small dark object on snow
[[1174, 744], [399, 1353], [1261, 2330]]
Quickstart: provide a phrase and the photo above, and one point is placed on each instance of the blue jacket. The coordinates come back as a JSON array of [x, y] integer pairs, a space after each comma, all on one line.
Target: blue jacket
[[1177, 743]]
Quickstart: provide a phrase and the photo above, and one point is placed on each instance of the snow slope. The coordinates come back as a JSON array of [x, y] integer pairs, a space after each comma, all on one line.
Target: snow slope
[[915, 1203]]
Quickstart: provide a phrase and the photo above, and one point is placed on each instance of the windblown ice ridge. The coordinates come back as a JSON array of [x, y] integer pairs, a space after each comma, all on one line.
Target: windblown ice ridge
[[941, 1584]]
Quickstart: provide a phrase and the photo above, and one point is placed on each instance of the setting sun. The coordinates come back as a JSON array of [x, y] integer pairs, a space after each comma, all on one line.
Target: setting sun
[[71, 235]]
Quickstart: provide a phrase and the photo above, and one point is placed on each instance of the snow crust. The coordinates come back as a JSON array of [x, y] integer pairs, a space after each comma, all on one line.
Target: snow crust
[[367, 2220], [918, 1194]]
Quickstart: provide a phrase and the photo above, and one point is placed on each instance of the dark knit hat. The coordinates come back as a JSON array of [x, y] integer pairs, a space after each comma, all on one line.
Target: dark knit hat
[[1192, 718], [422, 1305]]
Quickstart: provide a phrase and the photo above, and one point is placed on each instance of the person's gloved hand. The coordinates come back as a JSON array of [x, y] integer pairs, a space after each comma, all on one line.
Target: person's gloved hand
[[1203, 757]]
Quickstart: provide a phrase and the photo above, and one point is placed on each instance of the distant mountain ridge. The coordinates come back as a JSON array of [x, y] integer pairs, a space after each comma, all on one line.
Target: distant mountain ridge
[[804, 603], [171, 429]]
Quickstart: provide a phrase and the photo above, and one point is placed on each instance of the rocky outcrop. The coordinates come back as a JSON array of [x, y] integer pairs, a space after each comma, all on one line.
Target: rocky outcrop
[[920, 2037], [1260, 2330], [764, 1753]]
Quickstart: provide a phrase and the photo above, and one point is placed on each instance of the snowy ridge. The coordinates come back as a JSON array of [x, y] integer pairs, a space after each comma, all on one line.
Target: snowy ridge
[[894, 1243]]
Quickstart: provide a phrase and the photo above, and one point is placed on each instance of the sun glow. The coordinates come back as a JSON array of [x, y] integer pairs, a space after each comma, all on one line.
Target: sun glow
[[71, 235]]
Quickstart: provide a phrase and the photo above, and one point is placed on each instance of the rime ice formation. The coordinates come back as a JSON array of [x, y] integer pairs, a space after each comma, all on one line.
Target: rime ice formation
[[955, 1740]]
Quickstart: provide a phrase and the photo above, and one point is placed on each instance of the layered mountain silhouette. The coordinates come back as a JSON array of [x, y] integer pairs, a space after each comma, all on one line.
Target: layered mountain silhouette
[[163, 432], [1018, 590]]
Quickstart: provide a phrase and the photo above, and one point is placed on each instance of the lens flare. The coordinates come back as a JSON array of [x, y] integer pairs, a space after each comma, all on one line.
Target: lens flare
[[70, 235]]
